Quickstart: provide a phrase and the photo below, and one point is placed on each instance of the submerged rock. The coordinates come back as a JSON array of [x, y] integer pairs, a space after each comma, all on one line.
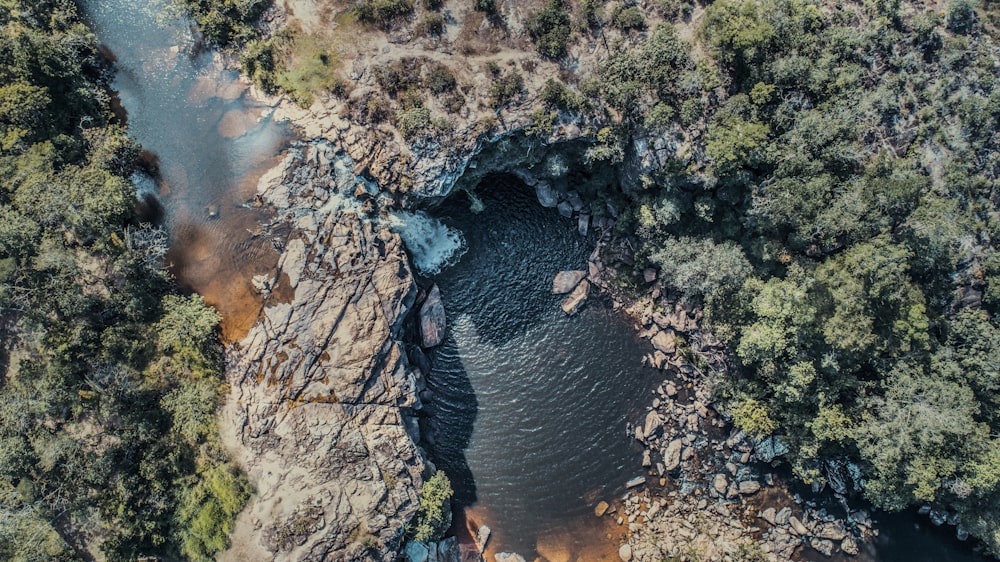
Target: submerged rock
[[601, 508], [432, 319]]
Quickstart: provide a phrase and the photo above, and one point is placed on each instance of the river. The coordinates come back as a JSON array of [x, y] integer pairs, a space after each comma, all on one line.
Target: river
[[530, 408]]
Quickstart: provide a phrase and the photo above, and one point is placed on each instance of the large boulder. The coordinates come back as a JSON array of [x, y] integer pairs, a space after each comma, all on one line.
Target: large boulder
[[432, 319], [665, 341], [672, 455], [565, 281]]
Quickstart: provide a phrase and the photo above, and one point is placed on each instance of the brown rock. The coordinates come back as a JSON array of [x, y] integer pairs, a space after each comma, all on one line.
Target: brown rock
[[572, 303], [665, 341], [601, 508]]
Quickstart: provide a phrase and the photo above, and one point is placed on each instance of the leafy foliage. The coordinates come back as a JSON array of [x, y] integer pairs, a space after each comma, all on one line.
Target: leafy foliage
[[107, 403], [432, 517]]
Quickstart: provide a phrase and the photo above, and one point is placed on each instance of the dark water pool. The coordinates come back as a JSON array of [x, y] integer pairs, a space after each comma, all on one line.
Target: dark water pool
[[531, 404]]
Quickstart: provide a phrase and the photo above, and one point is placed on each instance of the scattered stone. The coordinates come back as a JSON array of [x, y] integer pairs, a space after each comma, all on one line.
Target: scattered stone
[[637, 481], [749, 487], [782, 517], [625, 553], [769, 515], [509, 557], [601, 508], [653, 424], [565, 209], [432, 319], [823, 546], [565, 281], [720, 484], [797, 526], [583, 224], [647, 461], [649, 275], [572, 303], [849, 546]]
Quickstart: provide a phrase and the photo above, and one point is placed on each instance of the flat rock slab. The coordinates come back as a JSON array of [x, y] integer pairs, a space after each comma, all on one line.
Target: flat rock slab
[[572, 303], [432, 319], [566, 281]]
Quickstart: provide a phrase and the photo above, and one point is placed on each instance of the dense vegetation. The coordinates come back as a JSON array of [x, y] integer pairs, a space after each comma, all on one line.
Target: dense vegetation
[[830, 202], [837, 220], [108, 440]]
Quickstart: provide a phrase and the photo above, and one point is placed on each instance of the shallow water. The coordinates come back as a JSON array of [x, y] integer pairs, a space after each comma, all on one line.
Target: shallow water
[[531, 405], [206, 142]]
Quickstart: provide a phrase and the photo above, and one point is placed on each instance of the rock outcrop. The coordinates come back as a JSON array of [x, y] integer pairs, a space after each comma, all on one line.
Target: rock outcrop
[[321, 390]]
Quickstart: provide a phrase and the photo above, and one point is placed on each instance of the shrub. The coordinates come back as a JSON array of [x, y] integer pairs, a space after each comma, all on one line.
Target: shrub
[[506, 88], [628, 18], [488, 6], [433, 4], [550, 29], [411, 122], [440, 80], [432, 24], [435, 496], [381, 12]]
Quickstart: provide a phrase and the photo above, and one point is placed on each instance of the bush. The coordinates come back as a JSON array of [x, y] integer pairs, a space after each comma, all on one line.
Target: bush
[[488, 6], [506, 88], [628, 18], [440, 80], [433, 4], [432, 24], [381, 12], [414, 121], [432, 517], [550, 28]]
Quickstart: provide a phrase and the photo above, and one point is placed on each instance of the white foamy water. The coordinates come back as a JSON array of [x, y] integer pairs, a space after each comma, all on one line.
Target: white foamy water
[[432, 244]]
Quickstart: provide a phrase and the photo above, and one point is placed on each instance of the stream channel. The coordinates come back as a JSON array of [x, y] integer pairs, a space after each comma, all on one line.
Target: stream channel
[[530, 406]]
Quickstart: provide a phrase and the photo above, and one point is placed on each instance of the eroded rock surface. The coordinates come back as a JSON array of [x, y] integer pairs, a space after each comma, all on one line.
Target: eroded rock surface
[[321, 388]]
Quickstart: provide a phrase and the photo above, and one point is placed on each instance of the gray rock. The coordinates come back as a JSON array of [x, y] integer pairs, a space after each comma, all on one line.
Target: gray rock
[[850, 546], [583, 224], [797, 526], [547, 196], [823, 546], [770, 448], [748, 487], [565, 209], [672, 455], [782, 517], [416, 552], [509, 557], [448, 550], [769, 515], [483, 537], [565, 281], [575, 201], [572, 303], [649, 275], [432, 319]]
